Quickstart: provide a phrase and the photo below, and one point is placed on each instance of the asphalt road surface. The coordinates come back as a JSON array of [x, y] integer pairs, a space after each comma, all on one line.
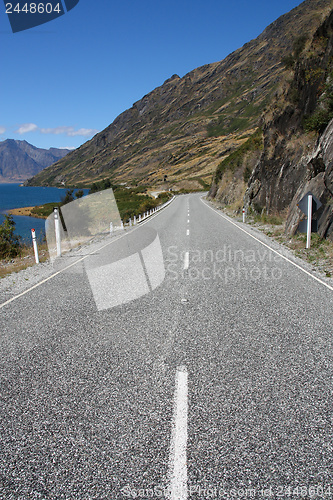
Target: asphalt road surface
[[184, 359]]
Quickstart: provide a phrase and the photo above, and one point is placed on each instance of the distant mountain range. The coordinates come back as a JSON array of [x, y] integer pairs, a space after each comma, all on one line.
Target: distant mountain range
[[20, 160]]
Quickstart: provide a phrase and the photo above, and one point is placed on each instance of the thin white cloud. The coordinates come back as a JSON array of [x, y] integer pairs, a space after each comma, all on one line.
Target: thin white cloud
[[55, 131], [2, 130], [25, 128], [69, 131], [85, 132]]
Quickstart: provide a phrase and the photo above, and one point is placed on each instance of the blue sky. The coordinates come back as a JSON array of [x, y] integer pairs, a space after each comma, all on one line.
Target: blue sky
[[66, 80]]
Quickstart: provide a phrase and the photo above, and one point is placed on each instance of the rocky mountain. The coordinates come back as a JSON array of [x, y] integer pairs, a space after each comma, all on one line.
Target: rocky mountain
[[188, 126], [20, 160], [292, 154]]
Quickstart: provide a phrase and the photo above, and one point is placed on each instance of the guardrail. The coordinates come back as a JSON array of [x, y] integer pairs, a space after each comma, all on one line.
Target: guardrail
[[142, 217]]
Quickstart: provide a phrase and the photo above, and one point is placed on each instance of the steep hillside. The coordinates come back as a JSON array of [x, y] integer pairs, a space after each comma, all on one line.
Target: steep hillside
[[297, 151], [184, 128], [20, 160]]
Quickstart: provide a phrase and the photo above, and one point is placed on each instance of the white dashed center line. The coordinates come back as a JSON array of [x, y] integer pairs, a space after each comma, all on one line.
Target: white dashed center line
[[178, 459], [188, 232], [186, 260]]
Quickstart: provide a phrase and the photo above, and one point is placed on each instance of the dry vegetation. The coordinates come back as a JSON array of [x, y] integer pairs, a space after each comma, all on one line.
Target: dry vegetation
[[320, 255], [26, 259]]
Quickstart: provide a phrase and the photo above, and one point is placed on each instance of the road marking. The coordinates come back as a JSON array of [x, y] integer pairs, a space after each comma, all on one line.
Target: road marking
[[78, 261], [188, 220], [188, 232], [178, 459], [186, 260], [270, 248]]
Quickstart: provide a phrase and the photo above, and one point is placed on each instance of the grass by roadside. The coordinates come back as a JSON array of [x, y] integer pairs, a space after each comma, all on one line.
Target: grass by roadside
[[319, 255], [24, 260]]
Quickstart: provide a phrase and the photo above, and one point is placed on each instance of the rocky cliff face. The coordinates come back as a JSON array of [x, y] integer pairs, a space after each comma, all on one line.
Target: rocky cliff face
[[184, 128], [318, 179], [20, 160], [298, 149]]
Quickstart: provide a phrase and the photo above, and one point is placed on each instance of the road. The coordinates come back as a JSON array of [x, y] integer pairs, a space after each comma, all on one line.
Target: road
[[214, 382]]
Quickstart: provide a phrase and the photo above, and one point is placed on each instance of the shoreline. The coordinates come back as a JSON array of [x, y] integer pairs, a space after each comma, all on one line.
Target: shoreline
[[24, 211]]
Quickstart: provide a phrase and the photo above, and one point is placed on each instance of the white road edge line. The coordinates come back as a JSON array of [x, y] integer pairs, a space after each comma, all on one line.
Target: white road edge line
[[178, 448], [270, 248], [78, 261], [186, 260]]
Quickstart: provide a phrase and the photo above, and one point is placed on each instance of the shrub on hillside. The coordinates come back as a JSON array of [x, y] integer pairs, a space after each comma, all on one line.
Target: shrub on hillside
[[9, 242], [318, 121]]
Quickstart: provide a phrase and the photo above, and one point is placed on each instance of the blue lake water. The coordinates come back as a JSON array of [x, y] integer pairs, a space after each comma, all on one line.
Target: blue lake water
[[16, 196]]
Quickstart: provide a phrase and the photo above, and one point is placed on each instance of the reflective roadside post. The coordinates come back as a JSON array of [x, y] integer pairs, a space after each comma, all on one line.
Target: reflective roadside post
[[57, 230], [34, 242], [309, 205], [308, 233]]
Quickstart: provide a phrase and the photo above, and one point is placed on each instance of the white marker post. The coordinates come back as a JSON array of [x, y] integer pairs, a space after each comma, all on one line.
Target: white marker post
[[57, 230], [134, 220], [243, 214], [34, 242], [139, 217], [111, 227], [308, 236]]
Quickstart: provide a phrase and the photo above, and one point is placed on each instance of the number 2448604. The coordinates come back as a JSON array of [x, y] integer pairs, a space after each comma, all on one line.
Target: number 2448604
[[33, 8]]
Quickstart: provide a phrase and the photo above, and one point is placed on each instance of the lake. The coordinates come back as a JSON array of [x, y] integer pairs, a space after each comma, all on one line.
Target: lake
[[16, 196]]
